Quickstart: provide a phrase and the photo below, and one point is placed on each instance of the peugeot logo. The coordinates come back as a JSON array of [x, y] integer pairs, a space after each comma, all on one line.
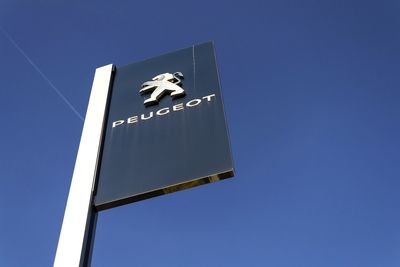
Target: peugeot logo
[[161, 85]]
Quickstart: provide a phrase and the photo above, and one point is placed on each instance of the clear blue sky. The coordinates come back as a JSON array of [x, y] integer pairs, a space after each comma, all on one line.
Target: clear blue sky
[[311, 91]]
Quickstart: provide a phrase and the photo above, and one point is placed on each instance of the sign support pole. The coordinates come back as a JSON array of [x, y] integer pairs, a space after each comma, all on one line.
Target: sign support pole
[[78, 229]]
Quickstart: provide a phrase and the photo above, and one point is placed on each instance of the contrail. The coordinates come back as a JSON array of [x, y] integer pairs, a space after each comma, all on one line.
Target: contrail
[[58, 92]]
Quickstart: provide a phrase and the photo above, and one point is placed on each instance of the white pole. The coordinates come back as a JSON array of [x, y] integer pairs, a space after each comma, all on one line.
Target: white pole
[[79, 215]]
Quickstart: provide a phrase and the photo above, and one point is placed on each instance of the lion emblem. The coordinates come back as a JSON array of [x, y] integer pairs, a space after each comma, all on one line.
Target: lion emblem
[[162, 85]]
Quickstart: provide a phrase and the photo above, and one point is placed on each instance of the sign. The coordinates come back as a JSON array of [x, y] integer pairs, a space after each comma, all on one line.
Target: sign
[[166, 128]]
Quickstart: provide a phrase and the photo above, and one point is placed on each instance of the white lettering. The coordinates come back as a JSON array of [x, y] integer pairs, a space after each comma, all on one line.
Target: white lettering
[[133, 119], [162, 111], [178, 107], [144, 118], [116, 123], [193, 102], [208, 97]]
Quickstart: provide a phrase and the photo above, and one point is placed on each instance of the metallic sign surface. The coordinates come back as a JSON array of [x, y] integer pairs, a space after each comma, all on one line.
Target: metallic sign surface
[[166, 128]]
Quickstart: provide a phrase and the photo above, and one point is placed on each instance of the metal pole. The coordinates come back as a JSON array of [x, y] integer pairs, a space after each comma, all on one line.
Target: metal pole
[[78, 228]]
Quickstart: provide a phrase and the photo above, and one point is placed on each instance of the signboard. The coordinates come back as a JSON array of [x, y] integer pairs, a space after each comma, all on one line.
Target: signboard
[[165, 130]]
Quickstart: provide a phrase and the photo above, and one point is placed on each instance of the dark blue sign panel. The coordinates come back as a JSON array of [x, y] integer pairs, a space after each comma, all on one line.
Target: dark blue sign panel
[[166, 128]]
